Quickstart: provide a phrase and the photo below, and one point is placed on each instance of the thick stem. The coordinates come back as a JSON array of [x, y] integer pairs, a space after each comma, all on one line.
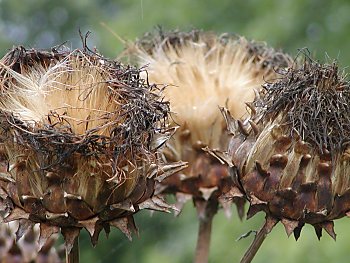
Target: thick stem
[[73, 255], [206, 211], [258, 240], [203, 241]]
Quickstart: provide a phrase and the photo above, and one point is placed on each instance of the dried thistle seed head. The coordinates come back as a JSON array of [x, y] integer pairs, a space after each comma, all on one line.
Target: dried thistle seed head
[[203, 71], [80, 134], [296, 167], [26, 249]]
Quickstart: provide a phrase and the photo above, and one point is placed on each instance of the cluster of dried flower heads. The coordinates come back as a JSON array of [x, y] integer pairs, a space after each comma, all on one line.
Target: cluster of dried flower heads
[[203, 71], [86, 142]]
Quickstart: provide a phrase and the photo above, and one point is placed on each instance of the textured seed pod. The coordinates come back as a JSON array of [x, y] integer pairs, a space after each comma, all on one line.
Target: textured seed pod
[[203, 71], [80, 135], [293, 160]]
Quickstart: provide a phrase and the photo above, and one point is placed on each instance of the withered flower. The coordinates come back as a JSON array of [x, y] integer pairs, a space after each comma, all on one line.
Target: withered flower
[[80, 135], [291, 156], [203, 71]]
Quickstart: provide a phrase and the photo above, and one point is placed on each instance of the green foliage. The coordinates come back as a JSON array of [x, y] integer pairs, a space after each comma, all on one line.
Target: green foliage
[[320, 25]]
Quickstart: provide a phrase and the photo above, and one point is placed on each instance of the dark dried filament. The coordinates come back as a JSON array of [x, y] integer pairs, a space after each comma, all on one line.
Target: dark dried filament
[[315, 99]]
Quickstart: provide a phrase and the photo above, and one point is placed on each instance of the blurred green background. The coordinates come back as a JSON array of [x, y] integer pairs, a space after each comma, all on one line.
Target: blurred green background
[[322, 26]]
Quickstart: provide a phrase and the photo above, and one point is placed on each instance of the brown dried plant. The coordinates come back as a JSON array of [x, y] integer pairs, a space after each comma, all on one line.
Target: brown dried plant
[[292, 163], [202, 71], [80, 136]]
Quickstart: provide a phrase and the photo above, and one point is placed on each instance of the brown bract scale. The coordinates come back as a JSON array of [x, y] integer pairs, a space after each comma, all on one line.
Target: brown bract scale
[[291, 157], [20, 242], [80, 134], [26, 249], [203, 71]]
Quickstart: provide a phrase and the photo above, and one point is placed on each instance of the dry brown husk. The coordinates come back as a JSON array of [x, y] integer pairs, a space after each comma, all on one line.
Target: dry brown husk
[[80, 135], [203, 71], [291, 156]]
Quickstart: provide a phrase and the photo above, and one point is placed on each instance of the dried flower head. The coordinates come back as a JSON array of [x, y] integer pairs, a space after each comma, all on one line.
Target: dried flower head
[[292, 159], [203, 71], [80, 134]]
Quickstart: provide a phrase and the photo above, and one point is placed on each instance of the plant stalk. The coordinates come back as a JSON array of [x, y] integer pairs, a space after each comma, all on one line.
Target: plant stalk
[[258, 240], [73, 255], [206, 211]]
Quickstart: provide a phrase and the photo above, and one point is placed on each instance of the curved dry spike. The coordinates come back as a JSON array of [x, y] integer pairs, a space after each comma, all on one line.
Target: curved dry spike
[[90, 225], [297, 231], [107, 229], [329, 227], [230, 121], [318, 231], [289, 225], [241, 128], [126, 225], [254, 209], [255, 127], [252, 109], [96, 235], [226, 206], [159, 139], [257, 95], [158, 204], [122, 225], [221, 156], [126, 205], [240, 204], [164, 171]]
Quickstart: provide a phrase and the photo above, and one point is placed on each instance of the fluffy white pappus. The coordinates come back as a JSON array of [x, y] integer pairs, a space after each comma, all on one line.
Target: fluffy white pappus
[[72, 90], [202, 75]]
